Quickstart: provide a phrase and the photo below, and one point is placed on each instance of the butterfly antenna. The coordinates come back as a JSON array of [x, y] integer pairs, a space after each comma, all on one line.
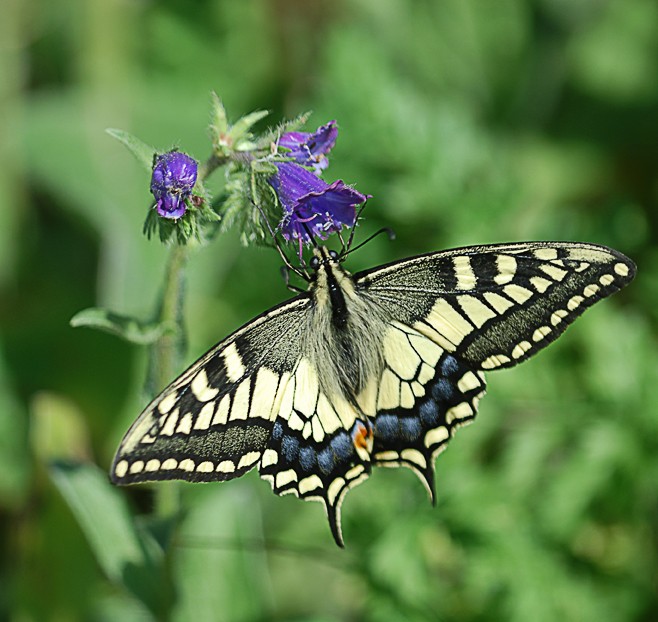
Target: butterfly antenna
[[346, 247], [343, 246], [387, 230]]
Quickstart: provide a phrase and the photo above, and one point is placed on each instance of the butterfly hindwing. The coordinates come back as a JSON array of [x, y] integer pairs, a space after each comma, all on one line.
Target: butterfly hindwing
[[425, 393], [317, 449], [215, 420]]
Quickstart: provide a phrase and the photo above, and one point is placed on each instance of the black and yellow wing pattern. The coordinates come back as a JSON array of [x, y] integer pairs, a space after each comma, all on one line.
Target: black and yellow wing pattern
[[375, 369], [464, 312]]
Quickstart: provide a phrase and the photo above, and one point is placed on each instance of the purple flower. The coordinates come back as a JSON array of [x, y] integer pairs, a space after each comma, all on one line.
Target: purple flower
[[174, 176], [311, 149], [311, 206]]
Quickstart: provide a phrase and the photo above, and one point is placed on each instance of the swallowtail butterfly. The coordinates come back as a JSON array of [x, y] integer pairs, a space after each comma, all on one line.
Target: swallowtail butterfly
[[377, 368]]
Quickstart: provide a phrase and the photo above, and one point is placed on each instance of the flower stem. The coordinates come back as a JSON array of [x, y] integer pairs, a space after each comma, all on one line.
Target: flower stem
[[167, 351], [165, 356], [212, 163]]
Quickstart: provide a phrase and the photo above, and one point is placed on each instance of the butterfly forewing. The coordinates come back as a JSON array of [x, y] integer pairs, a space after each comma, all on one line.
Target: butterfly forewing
[[215, 420], [494, 306]]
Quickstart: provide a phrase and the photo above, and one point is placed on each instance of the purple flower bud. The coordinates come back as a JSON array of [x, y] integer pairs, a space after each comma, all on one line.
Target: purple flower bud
[[311, 149], [311, 206], [174, 176]]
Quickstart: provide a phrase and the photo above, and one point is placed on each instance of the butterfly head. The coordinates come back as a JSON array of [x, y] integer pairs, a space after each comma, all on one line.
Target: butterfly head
[[328, 278], [323, 257]]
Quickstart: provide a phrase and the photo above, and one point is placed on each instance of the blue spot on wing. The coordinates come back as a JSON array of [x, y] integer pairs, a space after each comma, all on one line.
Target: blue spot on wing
[[326, 460], [290, 448], [443, 389], [342, 445], [308, 458], [410, 428], [387, 426], [429, 413], [449, 365]]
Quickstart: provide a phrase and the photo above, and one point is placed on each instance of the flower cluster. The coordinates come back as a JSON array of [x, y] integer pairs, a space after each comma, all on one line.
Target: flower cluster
[[312, 207], [273, 184]]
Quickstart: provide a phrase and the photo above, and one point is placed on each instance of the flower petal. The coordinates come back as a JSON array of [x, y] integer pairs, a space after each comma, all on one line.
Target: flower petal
[[171, 206], [313, 208], [310, 149], [293, 182]]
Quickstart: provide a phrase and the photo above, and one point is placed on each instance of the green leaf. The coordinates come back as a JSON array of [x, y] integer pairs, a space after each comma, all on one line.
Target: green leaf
[[239, 133], [128, 328], [218, 120], [103, 516], [128, 556], [293, 125], [143, 152], [218, 574]]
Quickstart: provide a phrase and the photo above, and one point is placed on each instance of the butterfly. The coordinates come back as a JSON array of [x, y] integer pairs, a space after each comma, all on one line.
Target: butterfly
[[378, 368]]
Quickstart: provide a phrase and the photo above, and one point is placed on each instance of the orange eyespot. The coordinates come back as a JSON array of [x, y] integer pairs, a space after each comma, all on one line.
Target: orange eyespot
[[362, 436]]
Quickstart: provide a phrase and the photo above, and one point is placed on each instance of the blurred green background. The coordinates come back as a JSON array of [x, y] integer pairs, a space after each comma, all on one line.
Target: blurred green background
[[469, 121]]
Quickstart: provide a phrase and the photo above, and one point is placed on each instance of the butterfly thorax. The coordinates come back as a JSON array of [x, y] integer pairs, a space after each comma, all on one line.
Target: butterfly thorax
[[344, 331]]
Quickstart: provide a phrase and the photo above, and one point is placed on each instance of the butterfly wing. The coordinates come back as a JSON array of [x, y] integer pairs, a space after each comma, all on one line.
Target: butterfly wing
[[255, 399], [318, 446], [495, 306], [465, 311], [215, 420], [252, 400], [425, 393]]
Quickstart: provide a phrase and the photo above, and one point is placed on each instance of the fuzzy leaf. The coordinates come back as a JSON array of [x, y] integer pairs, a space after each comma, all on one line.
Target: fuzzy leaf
[[262, 167], [218, 120], [294, 125], [128, 328], [143, 152], [239, 133]]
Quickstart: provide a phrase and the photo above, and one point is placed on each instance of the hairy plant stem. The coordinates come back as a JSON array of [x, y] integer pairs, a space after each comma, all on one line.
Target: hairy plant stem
[[166, 355], [212, 163]]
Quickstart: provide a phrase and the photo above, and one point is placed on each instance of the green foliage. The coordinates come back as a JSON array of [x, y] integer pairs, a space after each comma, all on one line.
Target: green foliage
[[128, 556], [469, 122], [142, 152], [128, 328]]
